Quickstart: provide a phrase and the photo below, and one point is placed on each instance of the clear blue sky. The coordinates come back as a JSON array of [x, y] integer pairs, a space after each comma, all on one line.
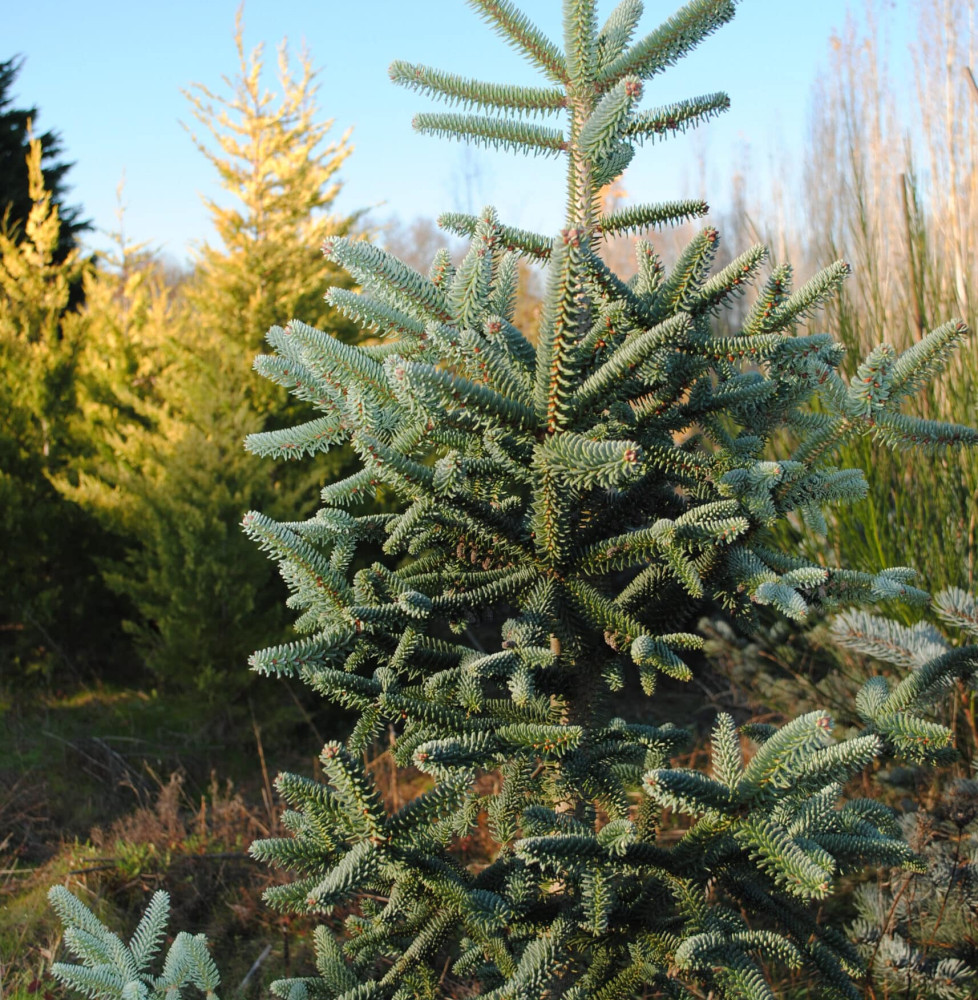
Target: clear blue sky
[[107, 74]]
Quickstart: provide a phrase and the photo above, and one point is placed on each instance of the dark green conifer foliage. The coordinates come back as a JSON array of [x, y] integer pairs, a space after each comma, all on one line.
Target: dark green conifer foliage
[[577, 497], [15, 196]]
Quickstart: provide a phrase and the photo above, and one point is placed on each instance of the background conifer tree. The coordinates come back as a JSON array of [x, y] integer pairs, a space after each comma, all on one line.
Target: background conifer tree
[[48, 590], [916, 930], [176, 401], [273, 158], [156, 428], [16, 198], [565, 508]]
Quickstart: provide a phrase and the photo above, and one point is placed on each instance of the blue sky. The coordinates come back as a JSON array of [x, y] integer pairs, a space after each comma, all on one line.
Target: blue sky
[[108, 75]]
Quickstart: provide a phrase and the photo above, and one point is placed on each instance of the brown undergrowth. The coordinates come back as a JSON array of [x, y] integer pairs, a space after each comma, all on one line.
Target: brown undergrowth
[[192, 843], [195, 848]]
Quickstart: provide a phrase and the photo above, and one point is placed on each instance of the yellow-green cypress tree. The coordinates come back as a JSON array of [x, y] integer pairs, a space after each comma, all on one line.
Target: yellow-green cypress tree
[[39, 348], [273, 158], [167, 377], [148, 399], [44, 589]]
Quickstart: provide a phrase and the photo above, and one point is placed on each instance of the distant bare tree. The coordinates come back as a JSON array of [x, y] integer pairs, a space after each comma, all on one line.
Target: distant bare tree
[[416, 242]]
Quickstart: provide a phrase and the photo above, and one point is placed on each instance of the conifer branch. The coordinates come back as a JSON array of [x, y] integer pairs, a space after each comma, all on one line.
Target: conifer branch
[[474, 93], [515, 28], [672, 40], [617, 32], [808, 298], [580, 38], [391, 466], [731, 281], [924, 361], [958, 608], [454, 394], [629, 356], [296, 442], [561, 328], [350, 490], [615, 288], [673, 118], [584, 463], [519, 241], [373, 314], [369, 265], [687, 275], [498, 133], [610, 119], [901, 431], [324, 649], [636, 218]]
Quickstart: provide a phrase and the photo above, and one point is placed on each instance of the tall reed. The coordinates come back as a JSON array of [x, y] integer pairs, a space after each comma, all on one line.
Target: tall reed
[[891, 183]]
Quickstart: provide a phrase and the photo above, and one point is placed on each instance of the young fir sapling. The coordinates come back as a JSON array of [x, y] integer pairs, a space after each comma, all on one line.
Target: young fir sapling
[[587, 490], [917, 930]]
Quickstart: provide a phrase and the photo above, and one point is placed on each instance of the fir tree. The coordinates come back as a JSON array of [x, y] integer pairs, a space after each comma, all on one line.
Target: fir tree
[[274, 158], [590, 491], [917, 931], [577, 499], [112, 969]]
